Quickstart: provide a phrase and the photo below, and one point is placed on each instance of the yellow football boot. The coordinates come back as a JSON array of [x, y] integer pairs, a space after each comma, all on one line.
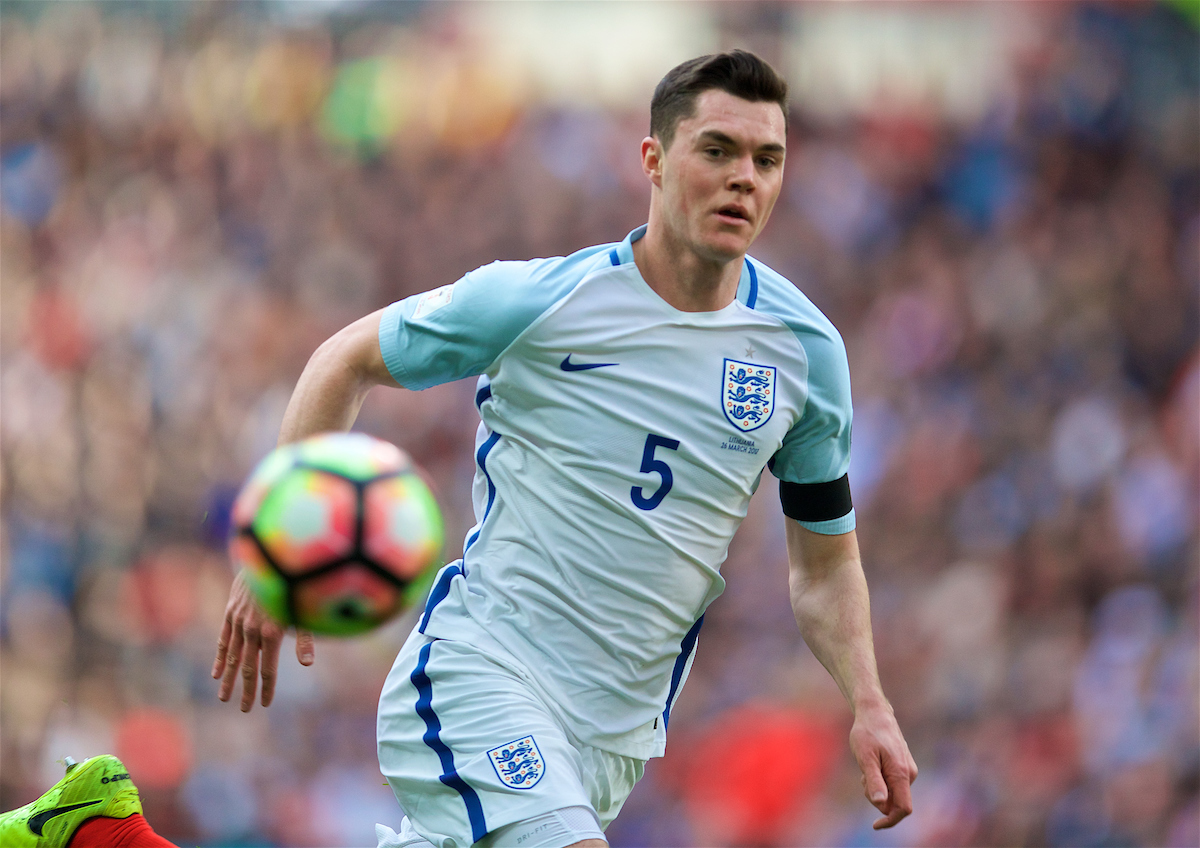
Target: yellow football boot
[[96, 787]]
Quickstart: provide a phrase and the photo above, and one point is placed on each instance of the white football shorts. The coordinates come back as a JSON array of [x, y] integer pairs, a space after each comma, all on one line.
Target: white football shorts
[[469, 749]]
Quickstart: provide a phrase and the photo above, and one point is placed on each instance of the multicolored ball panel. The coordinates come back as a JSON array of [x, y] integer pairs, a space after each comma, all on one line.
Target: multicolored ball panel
[[307, 520], [345, 601], [402, 525], [354, 455], [267, 473]]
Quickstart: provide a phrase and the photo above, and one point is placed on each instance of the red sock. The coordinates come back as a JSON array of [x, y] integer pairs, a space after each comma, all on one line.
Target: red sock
[[133, 832]]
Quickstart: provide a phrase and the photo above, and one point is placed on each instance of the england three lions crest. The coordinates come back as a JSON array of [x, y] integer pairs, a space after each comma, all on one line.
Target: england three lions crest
[[518, 764], [748, 394]]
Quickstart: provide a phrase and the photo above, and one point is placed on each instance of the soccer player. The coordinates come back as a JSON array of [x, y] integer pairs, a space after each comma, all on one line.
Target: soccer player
[[631, 396]]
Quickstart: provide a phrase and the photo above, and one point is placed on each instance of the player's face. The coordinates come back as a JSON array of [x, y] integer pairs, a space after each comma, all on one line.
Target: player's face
[[722, 174]]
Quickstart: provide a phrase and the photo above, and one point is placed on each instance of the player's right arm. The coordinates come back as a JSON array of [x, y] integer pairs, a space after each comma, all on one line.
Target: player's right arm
[[441, 335], [334, 384], [328, 396]]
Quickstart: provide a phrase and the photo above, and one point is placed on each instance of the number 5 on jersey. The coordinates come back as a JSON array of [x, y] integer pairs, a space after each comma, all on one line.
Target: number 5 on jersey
[[650, 465]]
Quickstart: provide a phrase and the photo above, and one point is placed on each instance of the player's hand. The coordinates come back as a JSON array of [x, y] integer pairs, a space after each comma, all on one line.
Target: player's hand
[[888, 769], [247, 632]]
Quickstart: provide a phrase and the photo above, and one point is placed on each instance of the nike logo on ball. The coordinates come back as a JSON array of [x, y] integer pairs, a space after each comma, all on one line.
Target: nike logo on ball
[[36, 823], [568, 365]]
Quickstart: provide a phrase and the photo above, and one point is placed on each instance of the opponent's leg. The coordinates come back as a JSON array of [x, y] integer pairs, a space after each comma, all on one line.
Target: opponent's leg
[[133, 832], [98, 789]]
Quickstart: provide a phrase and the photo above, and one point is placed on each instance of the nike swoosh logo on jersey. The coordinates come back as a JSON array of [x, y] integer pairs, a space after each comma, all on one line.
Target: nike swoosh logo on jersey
[[568, 365], [36, 823]]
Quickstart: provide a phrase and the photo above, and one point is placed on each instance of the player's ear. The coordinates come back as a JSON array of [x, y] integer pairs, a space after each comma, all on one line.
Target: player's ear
[[652, 159]]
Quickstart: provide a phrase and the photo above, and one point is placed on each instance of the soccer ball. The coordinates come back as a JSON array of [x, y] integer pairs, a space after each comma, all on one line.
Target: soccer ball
[[337, 533]]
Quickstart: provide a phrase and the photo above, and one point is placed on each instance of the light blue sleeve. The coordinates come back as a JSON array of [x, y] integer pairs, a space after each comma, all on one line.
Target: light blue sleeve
[[459, 330], [817, 448]]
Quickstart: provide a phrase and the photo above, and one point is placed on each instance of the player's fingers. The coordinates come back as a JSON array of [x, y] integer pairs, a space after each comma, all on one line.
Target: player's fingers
[[900, 793], [253, 645], [233, 657], [899, 800], [222, 647], [270, 667], [891, 819], [305, 648], [874, 786]]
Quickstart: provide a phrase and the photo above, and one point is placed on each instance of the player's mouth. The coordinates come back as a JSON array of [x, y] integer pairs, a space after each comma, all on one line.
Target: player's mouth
[[733, 214]]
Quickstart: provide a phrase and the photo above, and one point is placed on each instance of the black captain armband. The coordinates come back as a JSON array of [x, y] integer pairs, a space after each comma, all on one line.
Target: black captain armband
[[816, 501]]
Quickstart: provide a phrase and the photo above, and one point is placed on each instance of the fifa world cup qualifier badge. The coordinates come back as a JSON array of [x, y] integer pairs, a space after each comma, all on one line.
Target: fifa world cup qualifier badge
[[518, 764], [748, 394]]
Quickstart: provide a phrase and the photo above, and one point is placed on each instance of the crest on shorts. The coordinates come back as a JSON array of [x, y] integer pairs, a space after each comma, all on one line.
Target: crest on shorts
[[518, 764], [748, 394]]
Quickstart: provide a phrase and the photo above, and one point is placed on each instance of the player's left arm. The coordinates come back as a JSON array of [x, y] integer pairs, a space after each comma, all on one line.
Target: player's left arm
[[832, 608]]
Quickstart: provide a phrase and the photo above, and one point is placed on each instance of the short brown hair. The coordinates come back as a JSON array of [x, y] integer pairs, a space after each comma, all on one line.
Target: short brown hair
[[738, 72]]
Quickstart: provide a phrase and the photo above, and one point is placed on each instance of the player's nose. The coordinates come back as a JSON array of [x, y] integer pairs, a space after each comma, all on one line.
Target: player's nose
[[741, 175]]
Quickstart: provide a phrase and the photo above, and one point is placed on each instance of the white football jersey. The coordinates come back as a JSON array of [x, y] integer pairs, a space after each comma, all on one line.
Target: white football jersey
[[620, 443]]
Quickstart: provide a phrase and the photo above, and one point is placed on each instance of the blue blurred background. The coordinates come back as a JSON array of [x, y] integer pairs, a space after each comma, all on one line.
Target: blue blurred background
[[997, 203]]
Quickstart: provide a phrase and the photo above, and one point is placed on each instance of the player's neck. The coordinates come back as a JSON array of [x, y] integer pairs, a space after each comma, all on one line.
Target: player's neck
[[688, 282]]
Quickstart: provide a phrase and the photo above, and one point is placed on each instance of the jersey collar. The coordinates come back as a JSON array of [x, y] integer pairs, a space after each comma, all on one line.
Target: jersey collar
[[747, 292]]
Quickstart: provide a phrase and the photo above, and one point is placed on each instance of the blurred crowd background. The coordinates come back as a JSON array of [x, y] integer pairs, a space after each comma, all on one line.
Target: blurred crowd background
[[998, 204]]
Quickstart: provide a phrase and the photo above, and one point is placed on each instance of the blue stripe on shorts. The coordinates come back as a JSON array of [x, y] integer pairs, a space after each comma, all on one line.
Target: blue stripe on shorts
[[433, 727]]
